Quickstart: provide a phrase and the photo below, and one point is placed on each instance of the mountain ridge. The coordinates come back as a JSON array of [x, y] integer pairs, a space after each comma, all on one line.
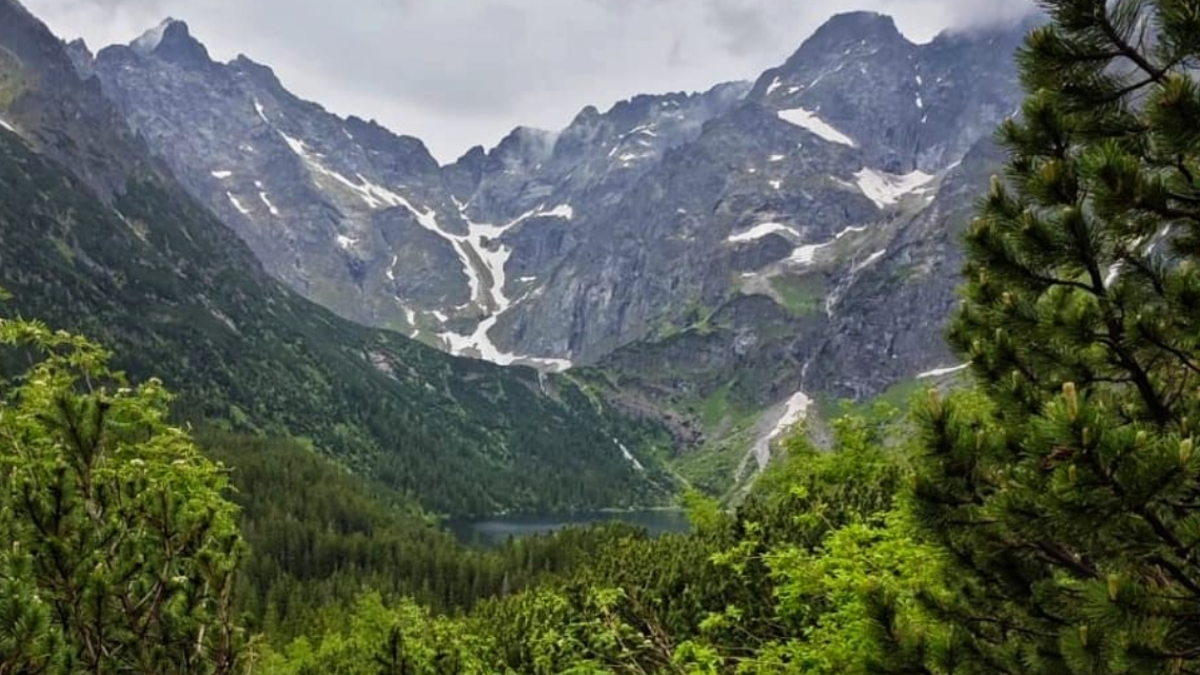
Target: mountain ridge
[[747, 221], [108, 244]]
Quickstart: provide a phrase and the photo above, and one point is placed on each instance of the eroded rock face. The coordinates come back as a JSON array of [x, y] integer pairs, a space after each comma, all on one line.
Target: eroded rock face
[[827, 190]]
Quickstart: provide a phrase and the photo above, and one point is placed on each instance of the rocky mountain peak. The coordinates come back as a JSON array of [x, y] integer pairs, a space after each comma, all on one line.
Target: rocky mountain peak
[[81, 55], [852, 28], [172, 41]]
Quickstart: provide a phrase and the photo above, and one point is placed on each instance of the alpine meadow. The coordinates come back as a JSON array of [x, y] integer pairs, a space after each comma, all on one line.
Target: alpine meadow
[[909, 333]]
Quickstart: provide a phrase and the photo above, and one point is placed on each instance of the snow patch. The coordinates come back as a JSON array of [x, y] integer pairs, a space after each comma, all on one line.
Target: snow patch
[[775, 84], [776, 184], [776, 158], [793, 412], [373, 195], [346, 243], [886, 189], [483, 240], [564, 211], [267, 201], [809, 121], [237, 204], [870, 259], [940, 372], [6, 125], [629, 455], [262, 113], [759, 231], [805, 255], [221, 175]]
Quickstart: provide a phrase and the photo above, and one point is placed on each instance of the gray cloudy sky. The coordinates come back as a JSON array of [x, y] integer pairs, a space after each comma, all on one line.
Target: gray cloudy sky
[[462, 72]]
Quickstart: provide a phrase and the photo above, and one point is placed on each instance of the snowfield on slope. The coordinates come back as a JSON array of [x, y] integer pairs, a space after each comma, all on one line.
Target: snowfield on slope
[[887, 189], [809, 121]]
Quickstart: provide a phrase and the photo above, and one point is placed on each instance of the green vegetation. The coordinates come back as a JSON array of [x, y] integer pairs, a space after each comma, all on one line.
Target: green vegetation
[[801, 296], [12, 77], [119, 550], [318, 536]]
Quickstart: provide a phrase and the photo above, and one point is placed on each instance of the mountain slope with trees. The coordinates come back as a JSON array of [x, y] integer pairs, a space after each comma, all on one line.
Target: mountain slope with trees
[[119, 252]]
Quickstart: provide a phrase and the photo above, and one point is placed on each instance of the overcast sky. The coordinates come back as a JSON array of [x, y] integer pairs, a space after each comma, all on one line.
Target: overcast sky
[[458, 73]]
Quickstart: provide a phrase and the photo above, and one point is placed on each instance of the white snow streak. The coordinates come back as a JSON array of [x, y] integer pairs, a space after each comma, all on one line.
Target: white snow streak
[[807, 253], [775, 84], [629, 455], [886, 189], [237, 205], [267, 200], [262, 113], [221, 175], [870, 259], [809, 121], [939, 372], [645, 129], [794, 413], [776, 158], [6, 125], [760, 231], [795, 410], [483, 239], [478, 241], [346, 242]]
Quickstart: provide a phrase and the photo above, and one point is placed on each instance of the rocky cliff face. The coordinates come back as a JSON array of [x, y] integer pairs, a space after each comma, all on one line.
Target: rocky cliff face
[[99, 238], [792, 193], [802, 215]]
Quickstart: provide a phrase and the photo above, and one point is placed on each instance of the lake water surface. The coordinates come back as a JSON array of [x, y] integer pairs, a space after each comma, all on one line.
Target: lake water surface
[[496, 530]]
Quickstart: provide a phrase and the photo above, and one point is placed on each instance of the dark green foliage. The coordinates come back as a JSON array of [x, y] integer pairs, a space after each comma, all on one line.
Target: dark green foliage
[[1066, 493], [319, 537], [175, 295]]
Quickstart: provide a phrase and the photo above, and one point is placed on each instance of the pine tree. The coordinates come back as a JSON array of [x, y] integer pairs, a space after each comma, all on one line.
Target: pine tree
[[119, 549], [1066, 491]]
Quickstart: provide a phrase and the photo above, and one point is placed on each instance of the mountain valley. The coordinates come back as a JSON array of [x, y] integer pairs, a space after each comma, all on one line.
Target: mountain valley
[[794, 236]]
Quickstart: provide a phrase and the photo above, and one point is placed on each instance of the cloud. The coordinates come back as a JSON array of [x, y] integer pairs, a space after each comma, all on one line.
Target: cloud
[[462, 72]]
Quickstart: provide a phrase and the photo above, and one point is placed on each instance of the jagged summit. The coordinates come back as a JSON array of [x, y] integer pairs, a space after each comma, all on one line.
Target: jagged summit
[[172, 41], [147, 42], [857, 26]]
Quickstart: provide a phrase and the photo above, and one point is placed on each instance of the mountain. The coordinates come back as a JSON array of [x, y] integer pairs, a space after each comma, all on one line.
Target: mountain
[[98, 237], [720, 261], [619, 223]]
